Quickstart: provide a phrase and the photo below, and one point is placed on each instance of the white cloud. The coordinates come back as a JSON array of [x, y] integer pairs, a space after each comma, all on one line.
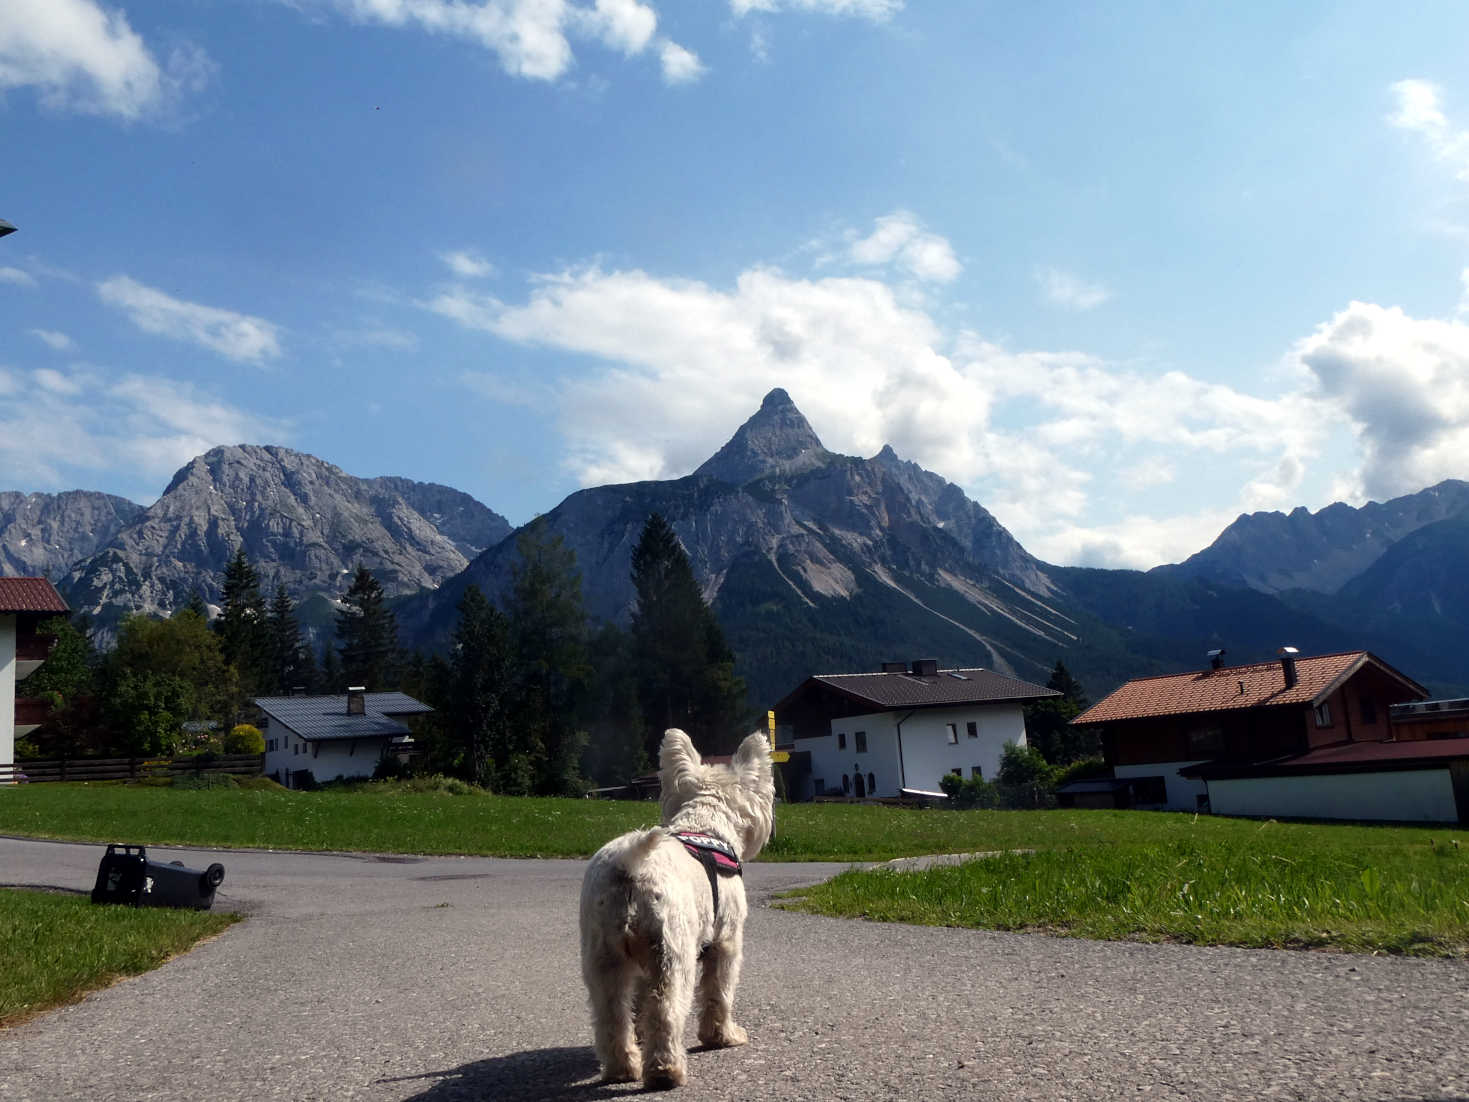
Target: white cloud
[[876, 10], [240, 337], [59, 341], [528, 37], [467, 264], [80, 56], [1404, 384], [82, 422], [680, 66], [1064, 289], [899, 238], [17, 277], [1040, 438], [1419, 109]]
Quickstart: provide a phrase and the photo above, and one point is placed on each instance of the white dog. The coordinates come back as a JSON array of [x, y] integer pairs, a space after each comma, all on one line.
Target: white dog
[[656, 904]]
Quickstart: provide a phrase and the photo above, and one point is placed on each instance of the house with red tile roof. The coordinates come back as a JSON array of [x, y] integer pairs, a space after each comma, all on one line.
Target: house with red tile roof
[[24, 603], [899, 730], [1301, 737]]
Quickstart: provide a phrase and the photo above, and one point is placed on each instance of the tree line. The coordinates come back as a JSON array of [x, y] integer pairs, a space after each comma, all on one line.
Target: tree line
[[530, 697]]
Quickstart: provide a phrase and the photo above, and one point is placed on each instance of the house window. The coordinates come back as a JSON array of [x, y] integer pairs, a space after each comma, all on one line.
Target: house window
[[1323, 714], [1369, 710], [953, 733], [846, 784], [841, 740], [977, 772], [1203, 741], [958, 772], [972, 729], [818, 787], [860, 738], [871, 784]]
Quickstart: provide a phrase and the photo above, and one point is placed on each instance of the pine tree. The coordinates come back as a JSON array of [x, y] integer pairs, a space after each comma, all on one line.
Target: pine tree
[[479, 687], [244, 634], [548, 641], [615, 752], [290, 658], [1048, 722], [685, 668], [330, 680], [367, 632]]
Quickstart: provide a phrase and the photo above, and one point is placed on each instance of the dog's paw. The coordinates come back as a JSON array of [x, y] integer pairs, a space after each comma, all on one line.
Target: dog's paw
[[728, 1035], [664, 1077], [624, 1073]]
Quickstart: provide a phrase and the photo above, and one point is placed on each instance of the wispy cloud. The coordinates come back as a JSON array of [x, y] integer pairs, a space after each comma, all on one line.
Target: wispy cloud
[[17, 277], [530, 38], [59, 341], [680, 66], [900, 238], [240, 337], [1071, 292], [1420, 110], [80, 56], [876, 10], [467, 264]]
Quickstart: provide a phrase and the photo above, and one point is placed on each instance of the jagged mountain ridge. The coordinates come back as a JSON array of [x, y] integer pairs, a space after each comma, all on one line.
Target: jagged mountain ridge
[[42, 535], [301, 521]]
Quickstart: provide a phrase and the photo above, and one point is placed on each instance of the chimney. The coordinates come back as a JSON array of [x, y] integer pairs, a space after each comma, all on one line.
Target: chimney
[[895, 667], [1288, 665], [1216, 658], [356, 700], [925, 667]]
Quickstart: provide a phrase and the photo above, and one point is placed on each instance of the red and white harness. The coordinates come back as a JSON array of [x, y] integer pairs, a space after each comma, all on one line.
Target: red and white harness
[[716, 855]]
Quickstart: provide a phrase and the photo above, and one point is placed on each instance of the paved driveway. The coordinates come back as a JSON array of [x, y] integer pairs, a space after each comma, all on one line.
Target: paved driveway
[[456, 978]]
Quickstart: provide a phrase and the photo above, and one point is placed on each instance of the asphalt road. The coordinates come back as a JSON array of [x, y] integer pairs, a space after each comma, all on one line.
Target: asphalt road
[[456, 978]]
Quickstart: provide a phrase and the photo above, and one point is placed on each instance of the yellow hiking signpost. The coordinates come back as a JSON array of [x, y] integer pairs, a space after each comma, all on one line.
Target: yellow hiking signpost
[[775, 755]]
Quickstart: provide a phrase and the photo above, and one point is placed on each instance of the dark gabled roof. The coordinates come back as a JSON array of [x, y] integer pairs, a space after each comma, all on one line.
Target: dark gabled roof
[[1231, 688], [30, 595], [887, 691], [1343, 757], [325, 717]]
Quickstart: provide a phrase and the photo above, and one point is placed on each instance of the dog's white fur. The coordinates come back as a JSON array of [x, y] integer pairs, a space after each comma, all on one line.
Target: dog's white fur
[[648, 921]]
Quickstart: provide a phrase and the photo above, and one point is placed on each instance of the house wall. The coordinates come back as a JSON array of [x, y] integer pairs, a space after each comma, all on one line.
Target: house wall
[[1182, 793], [1420, 795], [7, 689], [327, 759], [927, 753]]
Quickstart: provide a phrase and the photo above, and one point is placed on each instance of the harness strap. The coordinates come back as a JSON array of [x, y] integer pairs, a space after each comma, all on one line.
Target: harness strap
[[716, 855]]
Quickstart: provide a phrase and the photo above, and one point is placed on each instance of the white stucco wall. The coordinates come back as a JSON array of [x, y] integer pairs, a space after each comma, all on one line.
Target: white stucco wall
[[1419, 795], [1183, 793], [334, 758], [927, 753], [7, 689]]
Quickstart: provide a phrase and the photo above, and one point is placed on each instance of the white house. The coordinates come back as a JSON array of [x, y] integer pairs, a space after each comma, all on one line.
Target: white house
[[878, 734], [333, 736], [24, 603]]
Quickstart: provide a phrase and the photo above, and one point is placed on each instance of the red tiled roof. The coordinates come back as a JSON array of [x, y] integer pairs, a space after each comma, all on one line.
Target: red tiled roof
[[30, 595], [1233, 687]]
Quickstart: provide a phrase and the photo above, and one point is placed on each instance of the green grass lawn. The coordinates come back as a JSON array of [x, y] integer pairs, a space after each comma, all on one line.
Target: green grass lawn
[[57, 947], [1103, 874]]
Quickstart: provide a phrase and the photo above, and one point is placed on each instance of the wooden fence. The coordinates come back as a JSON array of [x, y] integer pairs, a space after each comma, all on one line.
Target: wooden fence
[[124, 769]]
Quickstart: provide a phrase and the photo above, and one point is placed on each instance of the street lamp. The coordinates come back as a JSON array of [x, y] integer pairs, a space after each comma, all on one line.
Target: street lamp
[[5, 227]]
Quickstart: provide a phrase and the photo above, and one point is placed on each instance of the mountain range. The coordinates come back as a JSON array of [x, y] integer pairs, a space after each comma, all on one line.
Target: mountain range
[[813, 562]]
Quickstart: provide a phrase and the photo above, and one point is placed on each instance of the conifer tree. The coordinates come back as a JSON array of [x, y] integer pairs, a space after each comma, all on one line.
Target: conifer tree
[[685, 668], [548, 641], [244, 634], [290, 658], [1048, 722], [367, 633], [479, 686]]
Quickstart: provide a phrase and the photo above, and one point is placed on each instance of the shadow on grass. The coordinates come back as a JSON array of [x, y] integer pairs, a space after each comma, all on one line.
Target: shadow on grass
[[552, 1074]]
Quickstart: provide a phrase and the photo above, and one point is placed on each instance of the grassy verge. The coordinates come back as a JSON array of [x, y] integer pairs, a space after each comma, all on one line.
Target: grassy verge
[[1270, 885], [56, 947]]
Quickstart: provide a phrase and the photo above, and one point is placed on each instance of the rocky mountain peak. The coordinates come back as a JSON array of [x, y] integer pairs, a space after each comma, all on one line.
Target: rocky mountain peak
[[777, 440]]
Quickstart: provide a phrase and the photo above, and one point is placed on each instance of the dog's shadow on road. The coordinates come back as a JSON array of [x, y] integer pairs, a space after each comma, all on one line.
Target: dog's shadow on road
[[551, 1074]]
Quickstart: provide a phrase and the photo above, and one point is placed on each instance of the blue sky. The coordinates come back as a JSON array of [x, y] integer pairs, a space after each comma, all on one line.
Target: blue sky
[[1122, 274]]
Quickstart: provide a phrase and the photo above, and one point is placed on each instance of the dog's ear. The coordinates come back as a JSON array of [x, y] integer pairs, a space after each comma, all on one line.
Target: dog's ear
[[752, 763], [678, 762]]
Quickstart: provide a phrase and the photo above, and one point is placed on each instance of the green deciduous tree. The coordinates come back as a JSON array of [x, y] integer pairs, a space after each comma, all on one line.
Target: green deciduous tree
[[65, 682], [367, 633], [685, 668], [1026, 778]]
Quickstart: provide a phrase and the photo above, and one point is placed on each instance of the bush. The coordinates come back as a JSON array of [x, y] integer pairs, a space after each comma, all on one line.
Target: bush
[[1084, 769], [389, 768], [1026, 779], [244, 738], [976, 792]]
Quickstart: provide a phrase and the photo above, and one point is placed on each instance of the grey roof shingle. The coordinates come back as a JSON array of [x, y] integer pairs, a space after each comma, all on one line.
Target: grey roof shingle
[[907, 690], [325, 717]]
